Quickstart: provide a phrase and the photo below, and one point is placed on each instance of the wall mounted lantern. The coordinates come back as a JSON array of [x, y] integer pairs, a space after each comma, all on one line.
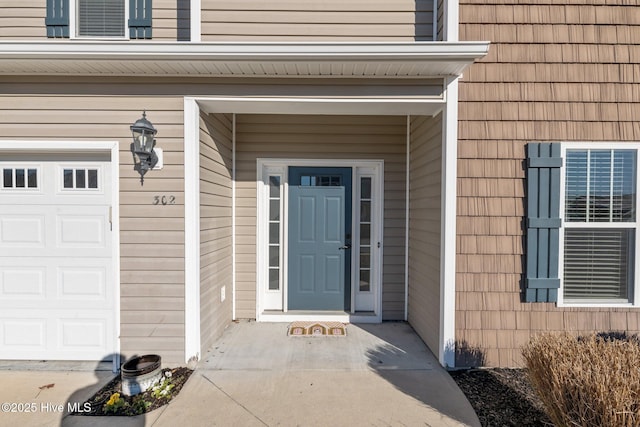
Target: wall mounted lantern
[[143, 143]]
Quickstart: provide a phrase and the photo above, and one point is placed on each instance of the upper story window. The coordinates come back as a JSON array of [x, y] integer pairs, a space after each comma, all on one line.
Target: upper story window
[[116, 19], [100, 18]]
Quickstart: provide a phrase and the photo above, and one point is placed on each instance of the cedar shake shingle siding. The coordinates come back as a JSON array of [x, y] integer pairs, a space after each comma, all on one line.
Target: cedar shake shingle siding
[[556, 71]]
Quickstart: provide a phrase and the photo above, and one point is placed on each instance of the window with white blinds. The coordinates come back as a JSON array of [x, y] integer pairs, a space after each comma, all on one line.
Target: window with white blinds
[[100, 18], [600, 225]]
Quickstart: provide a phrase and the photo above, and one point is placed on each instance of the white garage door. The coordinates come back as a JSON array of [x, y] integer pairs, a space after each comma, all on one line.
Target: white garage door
[[56, 281]]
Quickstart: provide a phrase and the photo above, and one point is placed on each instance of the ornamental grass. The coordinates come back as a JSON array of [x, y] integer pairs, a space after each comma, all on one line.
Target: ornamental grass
[[587, 381]]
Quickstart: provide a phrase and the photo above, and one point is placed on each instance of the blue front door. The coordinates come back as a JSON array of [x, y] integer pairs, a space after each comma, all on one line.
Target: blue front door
[[319, 238]]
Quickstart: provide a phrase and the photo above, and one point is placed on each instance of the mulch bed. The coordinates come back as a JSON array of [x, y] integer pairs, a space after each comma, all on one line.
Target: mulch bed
[[501, 397], [179, 377]]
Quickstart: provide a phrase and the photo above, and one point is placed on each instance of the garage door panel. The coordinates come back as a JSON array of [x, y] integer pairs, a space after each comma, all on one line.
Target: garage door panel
[[82, 283], [24, 231], [57, 334], [81, 231], [57, 295], [43, 283], [81, 334], [26, 334], [26, 282]]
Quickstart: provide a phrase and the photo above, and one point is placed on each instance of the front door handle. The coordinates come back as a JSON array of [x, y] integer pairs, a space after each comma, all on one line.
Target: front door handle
[[345, 247]]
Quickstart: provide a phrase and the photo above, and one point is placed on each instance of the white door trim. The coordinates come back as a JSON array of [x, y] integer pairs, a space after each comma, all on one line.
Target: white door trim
[[112, 147], [267, 167]]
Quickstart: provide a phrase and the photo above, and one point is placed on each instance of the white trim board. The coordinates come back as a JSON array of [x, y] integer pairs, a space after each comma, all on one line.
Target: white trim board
[[374, 168], [326, 317], [323, 106], [448, 216], [195, 20], [191, 230]]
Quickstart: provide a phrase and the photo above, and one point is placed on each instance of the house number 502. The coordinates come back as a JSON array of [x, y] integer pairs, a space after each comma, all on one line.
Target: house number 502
[[164, 200]]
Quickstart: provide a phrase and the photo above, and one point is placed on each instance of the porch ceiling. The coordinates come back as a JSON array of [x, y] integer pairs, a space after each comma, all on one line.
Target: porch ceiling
[[369, 60]]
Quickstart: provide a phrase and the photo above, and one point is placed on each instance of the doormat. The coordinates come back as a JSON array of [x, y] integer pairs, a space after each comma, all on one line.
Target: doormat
[[317, 329]]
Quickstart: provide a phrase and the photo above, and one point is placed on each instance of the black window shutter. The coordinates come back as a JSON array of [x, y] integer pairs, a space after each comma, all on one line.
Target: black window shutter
[[140, 19], [57, 19], [543, 222]]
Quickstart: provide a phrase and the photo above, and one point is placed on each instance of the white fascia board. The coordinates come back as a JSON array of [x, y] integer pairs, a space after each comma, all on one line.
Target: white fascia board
[[243, 51], [29, 57]]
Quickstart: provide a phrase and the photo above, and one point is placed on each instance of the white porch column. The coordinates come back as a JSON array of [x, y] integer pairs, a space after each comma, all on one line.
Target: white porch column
[[191, 231], [448, 223]]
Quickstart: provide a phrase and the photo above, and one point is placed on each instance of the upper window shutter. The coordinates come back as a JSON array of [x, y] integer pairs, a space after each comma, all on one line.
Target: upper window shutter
[[140, 19], [543, 222], [57, 20]]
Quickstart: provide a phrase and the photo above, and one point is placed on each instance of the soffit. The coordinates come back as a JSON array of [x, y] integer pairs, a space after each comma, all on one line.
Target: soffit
[[368, 60]]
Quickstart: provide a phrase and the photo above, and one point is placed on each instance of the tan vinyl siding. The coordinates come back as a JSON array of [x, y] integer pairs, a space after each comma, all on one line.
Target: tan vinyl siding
[[321, 137], [216, 250], [556, 71], [262, 20], [170, 20], [152, 237], [25, 19], [22, 19], [425, 167]]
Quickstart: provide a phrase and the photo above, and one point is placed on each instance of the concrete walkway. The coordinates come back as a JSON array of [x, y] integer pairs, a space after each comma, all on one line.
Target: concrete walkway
[[378, 375]]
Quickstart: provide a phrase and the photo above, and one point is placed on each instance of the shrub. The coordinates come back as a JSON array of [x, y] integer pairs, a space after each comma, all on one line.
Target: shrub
[[586, 381]]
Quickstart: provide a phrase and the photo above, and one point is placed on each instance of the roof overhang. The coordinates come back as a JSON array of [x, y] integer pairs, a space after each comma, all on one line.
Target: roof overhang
[[357, 60]]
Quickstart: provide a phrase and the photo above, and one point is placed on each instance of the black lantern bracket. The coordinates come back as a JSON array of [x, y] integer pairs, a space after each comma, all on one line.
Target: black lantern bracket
[[144, 146]]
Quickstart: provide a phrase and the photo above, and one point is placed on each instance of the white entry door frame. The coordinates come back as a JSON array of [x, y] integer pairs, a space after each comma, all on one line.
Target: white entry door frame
[[272, 237]]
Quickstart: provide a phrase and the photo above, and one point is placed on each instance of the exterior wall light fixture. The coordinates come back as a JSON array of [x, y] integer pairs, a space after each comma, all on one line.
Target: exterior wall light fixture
[[143, 146]]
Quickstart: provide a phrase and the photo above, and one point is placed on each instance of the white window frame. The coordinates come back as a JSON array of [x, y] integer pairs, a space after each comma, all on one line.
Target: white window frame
[[86, 166], [273, 299], [22, 165], [73, 24], [635, 301], [276, 301]]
